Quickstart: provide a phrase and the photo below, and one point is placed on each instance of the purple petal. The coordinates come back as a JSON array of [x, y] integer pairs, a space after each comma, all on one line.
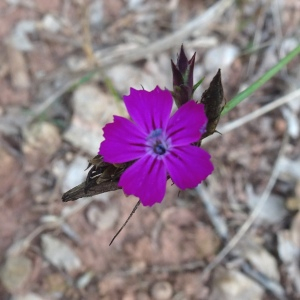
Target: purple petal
[[145, 179], [123, 141], [186, 125], [149, 110], [188, 166]]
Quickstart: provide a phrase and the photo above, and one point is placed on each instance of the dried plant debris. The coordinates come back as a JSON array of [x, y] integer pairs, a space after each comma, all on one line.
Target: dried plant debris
[[104, 171], [102, 177], [15, 272]]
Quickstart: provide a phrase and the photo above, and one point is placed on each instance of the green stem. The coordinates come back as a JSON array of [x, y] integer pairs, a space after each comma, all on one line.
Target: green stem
[[261, 81]]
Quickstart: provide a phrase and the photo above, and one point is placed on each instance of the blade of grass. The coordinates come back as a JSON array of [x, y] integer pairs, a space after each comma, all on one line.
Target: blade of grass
[[84, 79], [261, 81], [197, 84]]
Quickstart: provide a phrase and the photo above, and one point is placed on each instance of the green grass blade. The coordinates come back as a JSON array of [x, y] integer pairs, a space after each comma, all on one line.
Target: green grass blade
[[197, 84], [84, 79], [261, 81]]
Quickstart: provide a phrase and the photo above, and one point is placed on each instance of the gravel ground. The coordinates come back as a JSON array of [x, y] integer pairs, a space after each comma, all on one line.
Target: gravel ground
[[64, 66]]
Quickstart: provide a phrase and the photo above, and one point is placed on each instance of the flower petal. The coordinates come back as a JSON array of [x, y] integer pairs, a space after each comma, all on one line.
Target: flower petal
[[188, 166], [123, 141], [145, 179], [149, 110], [186, 125]]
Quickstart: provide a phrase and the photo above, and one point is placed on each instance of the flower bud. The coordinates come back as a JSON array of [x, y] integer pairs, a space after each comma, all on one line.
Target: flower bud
[[213, 100], [183, 78]]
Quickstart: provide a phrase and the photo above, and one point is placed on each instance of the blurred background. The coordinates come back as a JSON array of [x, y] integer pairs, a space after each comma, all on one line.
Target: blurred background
[[64, 66]]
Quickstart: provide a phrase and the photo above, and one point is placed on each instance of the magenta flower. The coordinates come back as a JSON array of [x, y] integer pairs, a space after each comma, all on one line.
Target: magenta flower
[[159, 144]]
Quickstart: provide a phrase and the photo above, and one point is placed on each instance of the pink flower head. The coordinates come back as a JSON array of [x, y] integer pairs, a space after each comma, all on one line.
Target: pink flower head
[[159, 144]]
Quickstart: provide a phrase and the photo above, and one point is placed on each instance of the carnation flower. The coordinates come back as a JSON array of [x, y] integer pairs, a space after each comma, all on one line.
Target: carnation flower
[[159, 144]]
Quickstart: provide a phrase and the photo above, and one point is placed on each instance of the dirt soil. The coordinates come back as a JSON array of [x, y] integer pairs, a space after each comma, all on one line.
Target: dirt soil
[[64, 67]]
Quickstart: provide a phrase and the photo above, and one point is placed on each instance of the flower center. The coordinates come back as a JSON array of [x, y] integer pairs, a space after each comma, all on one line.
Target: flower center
[[159, 148], [157, 142]]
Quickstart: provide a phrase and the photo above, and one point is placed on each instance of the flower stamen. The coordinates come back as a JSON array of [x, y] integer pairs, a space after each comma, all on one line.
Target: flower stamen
[[159, 148], [156, 142]]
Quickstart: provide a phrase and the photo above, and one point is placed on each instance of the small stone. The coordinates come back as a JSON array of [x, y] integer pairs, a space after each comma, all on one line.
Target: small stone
[[125, 76], [292, 122], [289, 168], [280, 126], [8, 171], [30, 296], [103, 219], [15, 272], [77, 63], [19, 38], [295, 230], [134, 4], [162, 290], [92, 110], [13, 2], [289, 251], [84, 280], [139, 267], [234, 285], [220, 57], [42, 140], [261, 260], [207, 242], [55, 283], [273, 210], [287, 45], [75, 173], [295, 104], [50, 23], [293, 203], [60, 254], [17, 68], [96, 12]]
